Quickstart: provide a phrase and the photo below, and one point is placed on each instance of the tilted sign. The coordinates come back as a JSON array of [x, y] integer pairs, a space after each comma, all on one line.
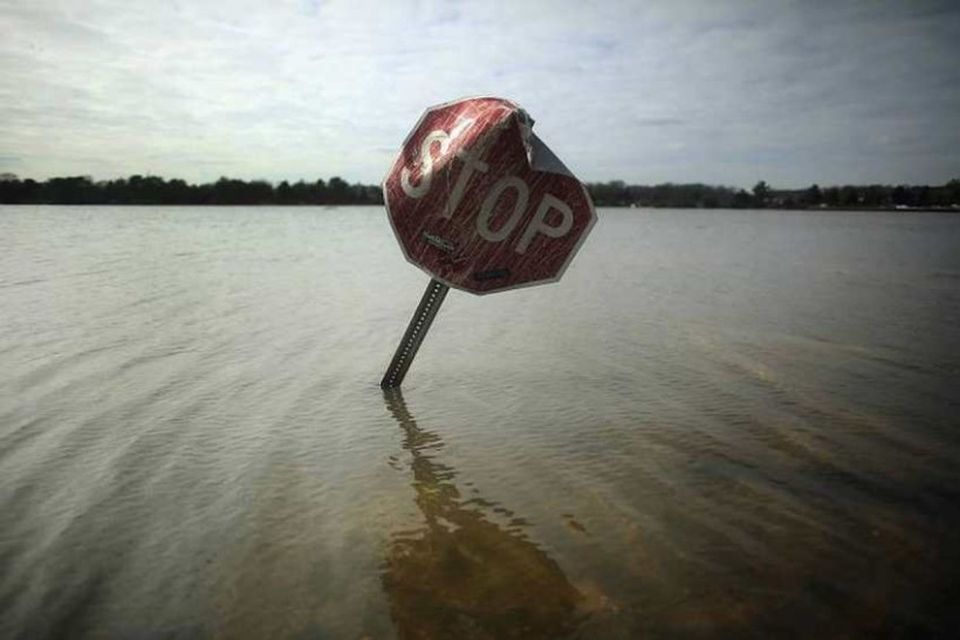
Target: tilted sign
[[480, 203]]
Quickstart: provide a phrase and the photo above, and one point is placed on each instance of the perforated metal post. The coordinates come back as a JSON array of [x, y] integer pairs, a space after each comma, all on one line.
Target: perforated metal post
[[422, 319]]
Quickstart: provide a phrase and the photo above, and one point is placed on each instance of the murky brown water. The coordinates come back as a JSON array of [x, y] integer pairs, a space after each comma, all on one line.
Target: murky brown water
[[720, 424]]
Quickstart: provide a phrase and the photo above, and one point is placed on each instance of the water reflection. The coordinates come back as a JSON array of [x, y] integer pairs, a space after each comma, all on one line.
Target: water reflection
[[461, 575]]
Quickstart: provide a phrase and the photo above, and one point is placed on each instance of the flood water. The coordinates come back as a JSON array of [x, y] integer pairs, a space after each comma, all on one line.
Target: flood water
[[719, 424]]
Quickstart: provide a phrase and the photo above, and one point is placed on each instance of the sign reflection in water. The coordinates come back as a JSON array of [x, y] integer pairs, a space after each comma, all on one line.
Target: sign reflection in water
[[461, 575]]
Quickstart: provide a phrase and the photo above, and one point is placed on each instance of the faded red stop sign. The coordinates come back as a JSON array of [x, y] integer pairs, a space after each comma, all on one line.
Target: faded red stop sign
[[480, 203]]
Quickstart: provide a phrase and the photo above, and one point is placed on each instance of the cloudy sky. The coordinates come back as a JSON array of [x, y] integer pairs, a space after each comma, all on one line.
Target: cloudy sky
[[718, 92]]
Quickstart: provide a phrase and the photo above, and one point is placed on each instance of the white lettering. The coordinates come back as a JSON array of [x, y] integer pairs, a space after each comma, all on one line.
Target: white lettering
[[539, 225], [471, 162], [493, 196], [426, 165], [426, 159]]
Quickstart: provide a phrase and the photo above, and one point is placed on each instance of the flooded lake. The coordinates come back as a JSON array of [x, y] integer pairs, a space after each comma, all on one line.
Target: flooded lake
[[719, 424]]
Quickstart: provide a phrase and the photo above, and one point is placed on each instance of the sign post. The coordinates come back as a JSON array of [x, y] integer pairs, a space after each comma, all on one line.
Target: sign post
[[480, 204], [413, 337]]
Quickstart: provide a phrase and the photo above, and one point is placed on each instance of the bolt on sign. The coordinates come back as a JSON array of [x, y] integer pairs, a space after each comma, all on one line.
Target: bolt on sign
[[481, 204]]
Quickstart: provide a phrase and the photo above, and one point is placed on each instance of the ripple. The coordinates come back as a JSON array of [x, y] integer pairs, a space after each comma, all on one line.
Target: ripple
[[692, 434]]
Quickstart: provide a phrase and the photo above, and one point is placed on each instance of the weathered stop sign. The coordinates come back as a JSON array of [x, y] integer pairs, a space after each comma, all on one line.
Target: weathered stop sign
[[481, 204]]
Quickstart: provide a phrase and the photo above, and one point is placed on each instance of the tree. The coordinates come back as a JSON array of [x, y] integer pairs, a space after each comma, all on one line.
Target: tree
[[849, 196], [761, 193], [952, 192], [900, 196], [285, 193], [874, 196], [742, 200], [921, 196], [831, 196], [319, 193], [72, 190], [300, 193], [812, 196], [338, 191]]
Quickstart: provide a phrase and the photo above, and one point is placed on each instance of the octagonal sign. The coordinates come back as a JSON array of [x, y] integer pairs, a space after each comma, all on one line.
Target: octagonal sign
[[480, 203]]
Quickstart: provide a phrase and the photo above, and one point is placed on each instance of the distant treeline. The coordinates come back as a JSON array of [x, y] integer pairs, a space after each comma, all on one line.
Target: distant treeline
[[155, 190], [336, 191], [617, 193]]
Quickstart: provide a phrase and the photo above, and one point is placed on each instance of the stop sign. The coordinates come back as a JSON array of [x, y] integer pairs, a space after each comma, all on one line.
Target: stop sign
[[480, 203]]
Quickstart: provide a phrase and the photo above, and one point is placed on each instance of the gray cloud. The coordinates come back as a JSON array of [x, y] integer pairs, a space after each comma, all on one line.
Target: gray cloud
[[792, 92]]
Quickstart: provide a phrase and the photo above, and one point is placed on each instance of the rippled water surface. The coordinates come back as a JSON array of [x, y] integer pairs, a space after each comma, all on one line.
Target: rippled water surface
[[719, 424]]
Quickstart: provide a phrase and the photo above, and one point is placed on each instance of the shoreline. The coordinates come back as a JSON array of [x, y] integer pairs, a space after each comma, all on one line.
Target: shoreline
[[906, 210]]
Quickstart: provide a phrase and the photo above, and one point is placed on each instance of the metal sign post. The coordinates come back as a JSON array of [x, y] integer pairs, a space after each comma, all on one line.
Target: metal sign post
[[419, 325]]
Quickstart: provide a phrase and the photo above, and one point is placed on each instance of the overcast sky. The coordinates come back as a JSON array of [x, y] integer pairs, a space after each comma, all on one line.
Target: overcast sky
[[718, 92]]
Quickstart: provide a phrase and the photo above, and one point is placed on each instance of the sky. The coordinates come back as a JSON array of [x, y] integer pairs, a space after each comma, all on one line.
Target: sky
[[795, 93]]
